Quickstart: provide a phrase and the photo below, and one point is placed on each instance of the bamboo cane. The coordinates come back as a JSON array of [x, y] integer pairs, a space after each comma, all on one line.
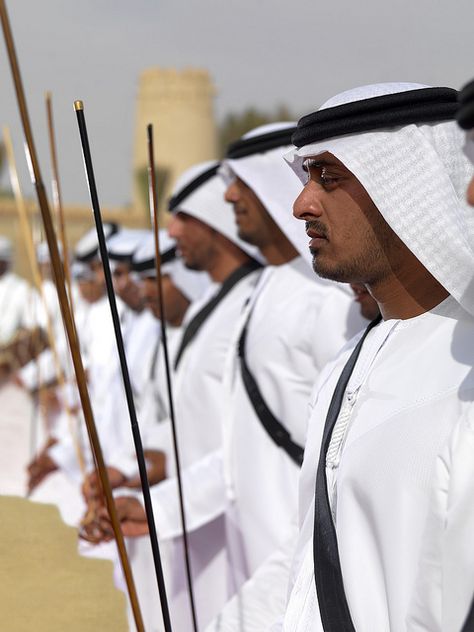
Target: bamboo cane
[[153, 200]]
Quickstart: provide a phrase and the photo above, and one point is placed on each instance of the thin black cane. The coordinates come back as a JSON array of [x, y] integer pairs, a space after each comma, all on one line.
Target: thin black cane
[[78, 106], [155, 225]]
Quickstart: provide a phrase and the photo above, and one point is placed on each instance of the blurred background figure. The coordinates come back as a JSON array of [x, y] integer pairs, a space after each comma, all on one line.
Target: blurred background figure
[[368, 305]]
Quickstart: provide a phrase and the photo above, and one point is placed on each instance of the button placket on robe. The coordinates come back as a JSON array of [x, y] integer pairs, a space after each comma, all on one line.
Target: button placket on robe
[[369, 353]]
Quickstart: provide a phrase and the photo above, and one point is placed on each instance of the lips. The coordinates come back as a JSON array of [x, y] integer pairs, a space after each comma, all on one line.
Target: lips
[[238, 210], [317, 238], [314, 234]]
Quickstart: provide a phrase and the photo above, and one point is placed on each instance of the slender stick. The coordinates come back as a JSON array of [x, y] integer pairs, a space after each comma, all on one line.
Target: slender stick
[[38, 282], [67, 315], [79, 107], [34, 416], [35, 397], [57, 198], [58, 206], [155, 225]]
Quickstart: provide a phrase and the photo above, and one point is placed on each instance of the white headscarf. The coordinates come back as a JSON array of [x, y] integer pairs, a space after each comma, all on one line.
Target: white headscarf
[[123, 244], [190, 282], [417, 176], [207, 204], [87, 247], [274, 185], [42, 252]]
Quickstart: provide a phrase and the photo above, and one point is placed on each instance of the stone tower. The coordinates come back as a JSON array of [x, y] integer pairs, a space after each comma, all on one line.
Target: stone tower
[[180, 106]]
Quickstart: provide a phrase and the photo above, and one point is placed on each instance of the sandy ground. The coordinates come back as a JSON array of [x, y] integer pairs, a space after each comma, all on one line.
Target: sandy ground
[[21, 433]]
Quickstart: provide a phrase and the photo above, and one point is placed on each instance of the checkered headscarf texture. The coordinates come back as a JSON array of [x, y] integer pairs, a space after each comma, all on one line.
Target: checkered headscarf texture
[[417, 177]]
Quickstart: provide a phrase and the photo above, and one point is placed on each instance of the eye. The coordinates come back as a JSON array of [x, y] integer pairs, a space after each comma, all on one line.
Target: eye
[[324, 175], [327, 179]]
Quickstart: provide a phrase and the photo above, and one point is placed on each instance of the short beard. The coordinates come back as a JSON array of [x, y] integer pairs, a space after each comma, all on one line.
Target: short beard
[[368, 266], [193, 265], [353, 271]]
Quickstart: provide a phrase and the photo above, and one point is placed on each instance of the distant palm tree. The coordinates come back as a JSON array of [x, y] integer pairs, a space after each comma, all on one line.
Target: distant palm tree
[[236, 125]]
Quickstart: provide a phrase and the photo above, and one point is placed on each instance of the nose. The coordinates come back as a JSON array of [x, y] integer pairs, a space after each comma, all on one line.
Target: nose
[[175, 227], [308, 203], [232, 193]]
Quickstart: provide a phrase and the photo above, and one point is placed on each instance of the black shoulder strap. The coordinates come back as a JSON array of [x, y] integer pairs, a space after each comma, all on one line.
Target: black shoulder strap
[[335, 614], [195, 323], [277, 432], [468, 625]]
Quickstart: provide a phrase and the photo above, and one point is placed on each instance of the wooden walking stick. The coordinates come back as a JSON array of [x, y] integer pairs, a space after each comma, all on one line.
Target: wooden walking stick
[[57, 198], [153, 197]]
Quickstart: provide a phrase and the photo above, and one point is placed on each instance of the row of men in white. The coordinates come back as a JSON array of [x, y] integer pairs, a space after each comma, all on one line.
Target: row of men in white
[[386, 511], [384, 180], [240, 486]]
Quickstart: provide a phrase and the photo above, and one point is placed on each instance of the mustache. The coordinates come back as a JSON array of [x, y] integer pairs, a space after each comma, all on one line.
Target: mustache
[[317, 226]]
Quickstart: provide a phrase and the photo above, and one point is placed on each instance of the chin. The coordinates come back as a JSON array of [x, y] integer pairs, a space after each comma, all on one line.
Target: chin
[[340, 271], [247, 237], [333, 273], [193, 265]]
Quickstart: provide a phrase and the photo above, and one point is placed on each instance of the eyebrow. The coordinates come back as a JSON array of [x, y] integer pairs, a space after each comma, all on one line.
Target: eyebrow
[[314, 163]]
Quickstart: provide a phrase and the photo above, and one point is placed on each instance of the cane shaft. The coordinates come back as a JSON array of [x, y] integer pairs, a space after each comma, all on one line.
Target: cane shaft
[[155, 224], [78, 105]]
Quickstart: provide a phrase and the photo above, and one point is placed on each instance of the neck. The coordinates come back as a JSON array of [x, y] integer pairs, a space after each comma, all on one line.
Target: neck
[[227, 259], [407, 295], [181, 303], [279, 250], [177, 321]]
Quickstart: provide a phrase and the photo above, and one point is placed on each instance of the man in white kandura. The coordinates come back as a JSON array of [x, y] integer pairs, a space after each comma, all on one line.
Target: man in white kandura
[[275, 360], [445, 586], [206, 236], [383, 203]]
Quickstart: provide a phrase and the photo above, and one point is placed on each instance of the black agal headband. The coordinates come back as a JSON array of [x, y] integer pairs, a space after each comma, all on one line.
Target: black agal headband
[[426, 105], [149, 264], [259, 144], [465, 115], [198, 181]]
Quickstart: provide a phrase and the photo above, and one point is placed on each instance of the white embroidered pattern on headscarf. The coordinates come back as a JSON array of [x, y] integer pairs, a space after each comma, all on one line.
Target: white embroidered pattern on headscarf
[[417, 176]]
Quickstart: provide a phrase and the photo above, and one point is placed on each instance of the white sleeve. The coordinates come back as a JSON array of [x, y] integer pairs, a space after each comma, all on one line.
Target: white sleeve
[[445, 584], [260, 603], [39, 372], [64, 455], [154, 436], [204, 497]]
